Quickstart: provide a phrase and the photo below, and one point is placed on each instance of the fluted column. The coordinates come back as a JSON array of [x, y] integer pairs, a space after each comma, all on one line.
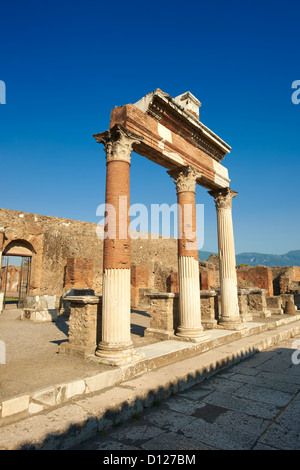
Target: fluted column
[[116, 346], [230, 317], [190, 327]]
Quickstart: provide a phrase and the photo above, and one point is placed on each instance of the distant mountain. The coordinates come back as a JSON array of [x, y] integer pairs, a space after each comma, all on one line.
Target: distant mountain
[[204, 255], [292, 258]]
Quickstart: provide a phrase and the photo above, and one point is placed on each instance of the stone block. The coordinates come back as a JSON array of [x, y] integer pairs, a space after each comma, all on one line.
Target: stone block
[[243, 300], [209, 308], [103, 380], [39, 308], [274, 304], [84, 325], [45, 396], [258, 303], [74, 388], [164, 311], [35, 408], [15, 405]]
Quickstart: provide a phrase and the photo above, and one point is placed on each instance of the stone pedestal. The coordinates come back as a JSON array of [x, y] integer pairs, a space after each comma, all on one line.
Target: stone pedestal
[[84, 325], [39, 308], [243, 299], [164, 311], [258, 303], [274, 305], [209, 308]]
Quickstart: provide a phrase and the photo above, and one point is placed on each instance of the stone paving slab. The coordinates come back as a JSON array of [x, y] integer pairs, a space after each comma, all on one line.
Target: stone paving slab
[[209, 423]]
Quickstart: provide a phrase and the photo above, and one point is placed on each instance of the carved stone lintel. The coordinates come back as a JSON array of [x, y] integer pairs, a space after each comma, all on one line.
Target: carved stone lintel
[[118, 143], [223, 198], [185, 178]]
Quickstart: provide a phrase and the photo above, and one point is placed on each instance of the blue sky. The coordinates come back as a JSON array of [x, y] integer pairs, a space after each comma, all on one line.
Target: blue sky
[[67, 64]]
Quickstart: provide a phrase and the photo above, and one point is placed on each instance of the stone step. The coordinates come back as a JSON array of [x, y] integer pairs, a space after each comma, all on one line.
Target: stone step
[[119, 393]]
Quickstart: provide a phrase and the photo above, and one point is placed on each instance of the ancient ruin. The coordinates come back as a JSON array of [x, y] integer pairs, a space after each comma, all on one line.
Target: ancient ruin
[[66, 269]]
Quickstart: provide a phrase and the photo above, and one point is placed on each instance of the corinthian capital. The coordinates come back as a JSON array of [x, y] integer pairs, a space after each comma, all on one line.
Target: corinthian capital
[[223, 197], [185, 178], [118, 143]]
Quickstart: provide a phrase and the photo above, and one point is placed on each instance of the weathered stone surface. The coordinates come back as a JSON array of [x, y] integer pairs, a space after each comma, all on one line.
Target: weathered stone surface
[[15, 405], [164, 311]]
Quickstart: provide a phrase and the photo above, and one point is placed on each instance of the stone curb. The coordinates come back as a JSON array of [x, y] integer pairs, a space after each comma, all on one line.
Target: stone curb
[[59, 394], [71, 423]]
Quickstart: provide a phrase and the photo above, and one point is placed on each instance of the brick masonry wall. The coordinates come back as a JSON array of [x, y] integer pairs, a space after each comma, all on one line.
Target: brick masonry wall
[[256, 276], [68, 253]]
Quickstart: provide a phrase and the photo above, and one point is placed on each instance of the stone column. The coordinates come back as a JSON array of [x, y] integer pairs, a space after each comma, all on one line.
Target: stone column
[[230, 317], [116, 347], [190, 327]]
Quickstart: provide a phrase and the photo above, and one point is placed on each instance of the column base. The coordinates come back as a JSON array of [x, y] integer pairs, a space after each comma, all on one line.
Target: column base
[[117, 356], [209, 324], [231, 324], [159, 334], [194, 335]]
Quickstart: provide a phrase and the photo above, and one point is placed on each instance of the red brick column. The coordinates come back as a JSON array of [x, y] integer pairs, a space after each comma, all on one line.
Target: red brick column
[[115, 346], [188, 266], [187, 241]]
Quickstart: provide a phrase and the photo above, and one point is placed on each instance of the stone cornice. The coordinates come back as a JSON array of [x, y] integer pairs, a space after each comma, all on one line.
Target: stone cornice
[[118, 143], [160, 106]]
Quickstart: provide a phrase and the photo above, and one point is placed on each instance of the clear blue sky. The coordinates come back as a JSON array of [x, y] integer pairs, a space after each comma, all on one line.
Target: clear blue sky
[[66, 64]]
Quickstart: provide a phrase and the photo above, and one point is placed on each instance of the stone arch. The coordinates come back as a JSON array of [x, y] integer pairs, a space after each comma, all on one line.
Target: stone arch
[[19, 247], [16, 264]]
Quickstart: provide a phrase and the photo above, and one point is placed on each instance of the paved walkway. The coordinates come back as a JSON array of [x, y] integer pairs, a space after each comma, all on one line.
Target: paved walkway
[[252, 405], [236, 409]]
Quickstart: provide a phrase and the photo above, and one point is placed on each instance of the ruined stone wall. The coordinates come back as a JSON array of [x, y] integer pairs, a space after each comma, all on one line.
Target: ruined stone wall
[[209, 274], [255, 276], [286, 279], [159, 256], [68, 254]]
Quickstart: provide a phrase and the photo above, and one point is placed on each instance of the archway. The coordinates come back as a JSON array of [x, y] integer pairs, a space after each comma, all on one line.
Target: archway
[[15, 272]]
